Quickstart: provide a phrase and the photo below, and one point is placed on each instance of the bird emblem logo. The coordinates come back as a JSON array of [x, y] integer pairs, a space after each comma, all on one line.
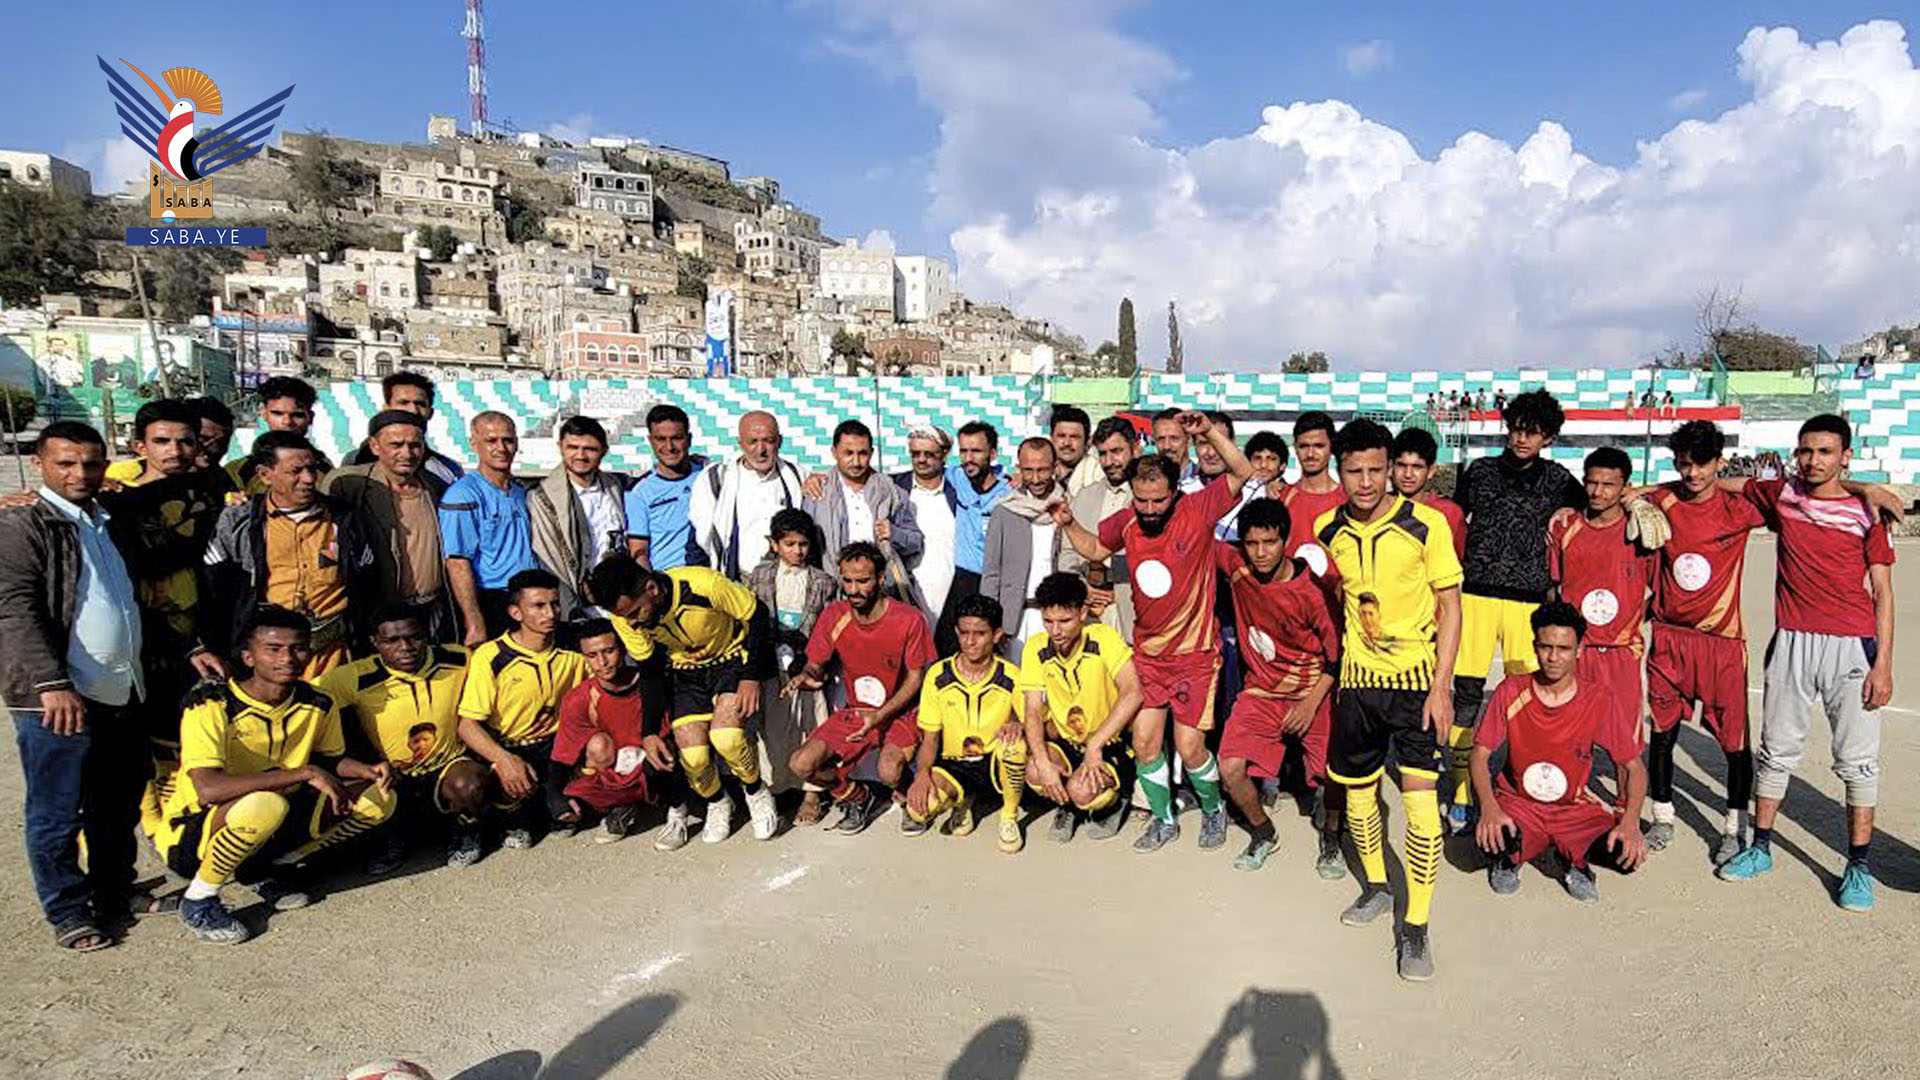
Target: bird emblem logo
[[184, 156]]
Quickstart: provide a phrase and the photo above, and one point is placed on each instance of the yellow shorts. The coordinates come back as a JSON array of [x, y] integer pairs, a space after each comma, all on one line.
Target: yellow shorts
[[1487, 624]]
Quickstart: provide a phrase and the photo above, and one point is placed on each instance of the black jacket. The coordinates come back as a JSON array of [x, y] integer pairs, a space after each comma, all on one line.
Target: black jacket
[[1508, 507], [39, 574]]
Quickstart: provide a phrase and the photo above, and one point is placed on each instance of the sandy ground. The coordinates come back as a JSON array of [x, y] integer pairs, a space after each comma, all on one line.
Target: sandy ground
[[823, 955]]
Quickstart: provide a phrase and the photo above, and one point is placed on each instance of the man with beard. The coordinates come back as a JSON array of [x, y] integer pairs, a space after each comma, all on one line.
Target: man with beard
[[848, 506], [1171, 439], [410, 391], [883, 649], [577, 515], [1022, 544], [398, 500], [978, 486], [1115, 445], [936, 504], [1168, 538], [1070, 430]]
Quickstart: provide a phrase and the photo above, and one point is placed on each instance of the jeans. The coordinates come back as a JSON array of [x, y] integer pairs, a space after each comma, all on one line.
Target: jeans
[[90, 783]]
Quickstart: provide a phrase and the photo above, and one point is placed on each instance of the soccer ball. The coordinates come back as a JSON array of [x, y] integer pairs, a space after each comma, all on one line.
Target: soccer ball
[[391, 1069]]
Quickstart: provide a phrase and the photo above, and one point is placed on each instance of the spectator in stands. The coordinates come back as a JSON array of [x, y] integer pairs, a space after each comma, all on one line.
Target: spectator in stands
[[410, 391], [577, 515], [1071, 432], [659, 530], [485, 531], [397, 500], [1666, 404], [855, 505], [1500, 401], [734, 502], [936, 504]]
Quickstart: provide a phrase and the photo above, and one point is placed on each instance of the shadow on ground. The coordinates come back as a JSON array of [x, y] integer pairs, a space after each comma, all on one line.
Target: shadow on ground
[[590, 1055]]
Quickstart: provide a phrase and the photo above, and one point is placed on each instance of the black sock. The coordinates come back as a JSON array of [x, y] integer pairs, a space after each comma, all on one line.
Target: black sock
[[1857, 855], [751, 788], [1763, 838], [1264, 831]]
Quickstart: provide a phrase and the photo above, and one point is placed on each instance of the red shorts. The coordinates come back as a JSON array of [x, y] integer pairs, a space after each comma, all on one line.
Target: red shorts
[[606, 790], [1614, 672], [1571, 827], [1184, 685], [1254, 734], [902, 731], [1685, 666]]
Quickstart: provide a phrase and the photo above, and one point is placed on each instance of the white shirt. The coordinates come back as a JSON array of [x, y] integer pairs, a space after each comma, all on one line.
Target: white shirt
[[1037, 571], [760, 498], [103, 653], [859, 513], [602, 511], [934, 575]]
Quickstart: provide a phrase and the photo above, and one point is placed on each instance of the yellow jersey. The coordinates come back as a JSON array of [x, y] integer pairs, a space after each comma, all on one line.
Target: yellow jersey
[[223, 728], [412, 718], [968, 715], [1390, 568], [705, 621], [1081, 687], [128, 473], [515, 691]]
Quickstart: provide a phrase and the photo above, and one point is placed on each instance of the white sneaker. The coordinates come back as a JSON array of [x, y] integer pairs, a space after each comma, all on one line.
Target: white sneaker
[[766, 817], [673, 835], [719, 820]]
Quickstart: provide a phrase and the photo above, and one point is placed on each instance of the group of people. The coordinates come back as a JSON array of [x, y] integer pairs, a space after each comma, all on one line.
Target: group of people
[[254, 665]]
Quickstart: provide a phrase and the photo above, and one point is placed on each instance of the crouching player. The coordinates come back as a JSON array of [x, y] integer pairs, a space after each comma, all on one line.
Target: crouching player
[[1290, 649], [1550, 724], [884, 648], [972, 744], [611, 749], [266, 779], [402, 705], [1074, 672]]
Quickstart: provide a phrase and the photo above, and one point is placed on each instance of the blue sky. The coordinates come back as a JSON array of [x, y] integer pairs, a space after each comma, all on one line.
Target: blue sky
[[837, 98]]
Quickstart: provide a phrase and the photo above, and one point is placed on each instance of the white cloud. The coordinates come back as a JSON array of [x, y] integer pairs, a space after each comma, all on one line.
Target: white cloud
[[577, 128], [878, 240], [1687, 100], [1322, 229], [1367, 57], [112, 162]]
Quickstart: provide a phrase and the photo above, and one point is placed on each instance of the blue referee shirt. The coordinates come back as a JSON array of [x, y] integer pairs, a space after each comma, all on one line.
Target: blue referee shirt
[[970, 519], [657, 512], [488, 528]]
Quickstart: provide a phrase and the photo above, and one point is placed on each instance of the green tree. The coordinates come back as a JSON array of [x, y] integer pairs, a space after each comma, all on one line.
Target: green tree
[[1175, 360], [324, 179], [183, 279], [441, 241], [848, 350], [17, 408], [692, 282], [1306, 363], [44, 244], [1129, 356]]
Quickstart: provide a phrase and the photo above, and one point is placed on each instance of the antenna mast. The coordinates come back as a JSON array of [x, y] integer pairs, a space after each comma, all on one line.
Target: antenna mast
[[476, 34]]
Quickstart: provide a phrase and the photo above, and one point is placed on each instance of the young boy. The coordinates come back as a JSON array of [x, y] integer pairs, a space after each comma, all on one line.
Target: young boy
[[1415, 457], [1832, 646], [1081, 695], [1318, 490], [1550, 722], [607, 755], [796, 593], [972, 744], [1291, 650], [510, 708], [1606, 577], [884, 648]]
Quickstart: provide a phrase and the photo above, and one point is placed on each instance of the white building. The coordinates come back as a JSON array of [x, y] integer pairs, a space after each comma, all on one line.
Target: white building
[[849, 273], [922, 287], [45, 171]]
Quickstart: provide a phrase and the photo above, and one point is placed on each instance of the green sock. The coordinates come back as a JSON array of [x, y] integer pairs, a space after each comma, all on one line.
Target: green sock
[[1153, 777], [1206, 784]]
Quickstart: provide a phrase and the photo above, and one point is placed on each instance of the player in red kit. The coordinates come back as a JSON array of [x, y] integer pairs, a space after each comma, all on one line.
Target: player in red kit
[[1291, 649], [1415, 456], [884, 649], [1606, 575], [1317, 491], [616, 761], [1550, 722], [1168, 541], [1699, 650]]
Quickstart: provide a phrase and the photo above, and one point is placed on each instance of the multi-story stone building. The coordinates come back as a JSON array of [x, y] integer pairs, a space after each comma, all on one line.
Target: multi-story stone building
[[461, 287], [601, 187], [922, 287], [646, 266], [384, 281], [429, 188], [526, 272], [35, 169], [564, 307], [702, 241], [863, 277]]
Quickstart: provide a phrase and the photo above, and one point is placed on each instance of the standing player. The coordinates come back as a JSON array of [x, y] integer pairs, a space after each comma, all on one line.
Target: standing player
[[1290, 648], [1832, 646], [1168, 541], [614, 759], [1606, 577], [510, 706], [1400, 585], [1550, 723], [972, 744], [1081, 694], [1699, 649], [718, 638], [403, 701], [1318, 490], [1415, 456], [884, 648]]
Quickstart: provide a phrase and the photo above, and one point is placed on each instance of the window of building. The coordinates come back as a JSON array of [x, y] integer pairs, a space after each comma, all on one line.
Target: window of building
[[386, 289], [33, 174], [383, 364], [593, 354], [419, 187]]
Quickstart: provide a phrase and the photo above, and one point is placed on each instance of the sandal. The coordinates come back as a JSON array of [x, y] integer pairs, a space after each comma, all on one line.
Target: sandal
[[81, 935], [143, 905]]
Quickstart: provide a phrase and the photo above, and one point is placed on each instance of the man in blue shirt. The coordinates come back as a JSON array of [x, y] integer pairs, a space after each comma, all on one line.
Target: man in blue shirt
[[978, 487], [484, 530], [659, 532]]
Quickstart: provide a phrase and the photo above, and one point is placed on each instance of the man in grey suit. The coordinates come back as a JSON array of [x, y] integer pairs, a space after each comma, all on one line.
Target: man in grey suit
[[1023, 546], [856, 503]]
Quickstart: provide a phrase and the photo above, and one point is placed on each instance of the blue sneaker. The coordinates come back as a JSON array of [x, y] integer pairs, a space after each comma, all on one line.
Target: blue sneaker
[[1750, 863], [1459, 819], [210, 921], [1856, 889]]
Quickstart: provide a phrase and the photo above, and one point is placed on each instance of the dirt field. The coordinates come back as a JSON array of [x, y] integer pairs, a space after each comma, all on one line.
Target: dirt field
[[878, 956]]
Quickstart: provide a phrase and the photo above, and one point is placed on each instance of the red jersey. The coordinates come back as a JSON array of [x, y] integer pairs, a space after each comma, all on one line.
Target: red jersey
[[1699, 582], [1549, 747], [1826, 545], [1287, 635], [1456, 519], [1605, 575], [1172, 573], [874, 657], [589, 709], [1304, 508]]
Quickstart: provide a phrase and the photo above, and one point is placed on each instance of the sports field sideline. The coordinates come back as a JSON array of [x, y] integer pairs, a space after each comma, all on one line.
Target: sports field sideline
[[821, 955]]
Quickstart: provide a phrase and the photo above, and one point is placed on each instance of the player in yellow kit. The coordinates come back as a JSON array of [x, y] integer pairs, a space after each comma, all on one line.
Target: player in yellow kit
[[264, 777], [972, 743], [718, 640]]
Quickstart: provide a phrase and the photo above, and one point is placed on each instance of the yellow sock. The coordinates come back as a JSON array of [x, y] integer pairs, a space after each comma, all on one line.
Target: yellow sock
[[368, 810], [1423, 851], [1013, 778], [1363, 820], [1459, 752], [153, 802], [702, 775], [733, 746], [251, 821], [937, 803]]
